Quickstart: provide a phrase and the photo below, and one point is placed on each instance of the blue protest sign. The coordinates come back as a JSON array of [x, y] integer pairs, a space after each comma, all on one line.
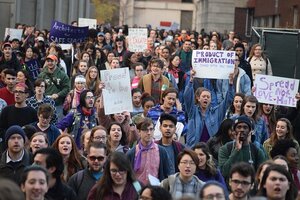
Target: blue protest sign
[[66, 34]]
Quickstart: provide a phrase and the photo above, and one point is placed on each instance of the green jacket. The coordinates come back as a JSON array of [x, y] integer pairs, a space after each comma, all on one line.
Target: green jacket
[[228, 155], [56, 83]]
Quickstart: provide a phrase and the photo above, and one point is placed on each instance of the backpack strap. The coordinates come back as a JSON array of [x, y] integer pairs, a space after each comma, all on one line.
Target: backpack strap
[[79, 179]]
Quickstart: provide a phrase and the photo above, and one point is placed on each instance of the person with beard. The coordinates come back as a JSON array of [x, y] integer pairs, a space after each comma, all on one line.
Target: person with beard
[[83, 181], [83, 117], [168, 129], [7, 57], [241, 181], [10, 80], [19, 113], [242, 149], [15, 158], [57, 82]]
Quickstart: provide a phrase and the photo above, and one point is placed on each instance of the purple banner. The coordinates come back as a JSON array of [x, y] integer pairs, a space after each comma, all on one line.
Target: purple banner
[[67, 34]]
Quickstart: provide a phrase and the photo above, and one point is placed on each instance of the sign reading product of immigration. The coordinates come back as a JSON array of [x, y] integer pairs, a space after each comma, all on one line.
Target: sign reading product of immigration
[[213, 64], [117, 93], [276, 90], [67, 34], [13, 33], [91, 23], [137, 39]]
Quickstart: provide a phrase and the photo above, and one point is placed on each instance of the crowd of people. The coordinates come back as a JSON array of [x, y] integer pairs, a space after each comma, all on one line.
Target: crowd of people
[[186, 137]]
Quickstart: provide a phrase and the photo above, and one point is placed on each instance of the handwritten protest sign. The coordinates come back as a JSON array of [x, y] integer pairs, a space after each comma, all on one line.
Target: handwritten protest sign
[[137, 39], [213, 64], [91, 23], [276, 90], [13, 33], [66, 34], [117, 94]]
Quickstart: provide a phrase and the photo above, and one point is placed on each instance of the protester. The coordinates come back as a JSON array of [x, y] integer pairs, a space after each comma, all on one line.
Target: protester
[[37, 141], [277, 183], [34, 182], [83, 181], [73, 162], [202, 118], [212, 190], [184, 183], [118, 180], [154, 193], [51, 160]]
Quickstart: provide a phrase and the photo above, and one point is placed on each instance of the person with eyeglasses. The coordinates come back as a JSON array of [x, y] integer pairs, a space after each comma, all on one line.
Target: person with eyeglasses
[[83, 181], [19, 113], [241, 82], [213, 190], [147, 157], [83, 117], [40, 98], [118, 180], [241, 181], [184, 183], [44, 114]]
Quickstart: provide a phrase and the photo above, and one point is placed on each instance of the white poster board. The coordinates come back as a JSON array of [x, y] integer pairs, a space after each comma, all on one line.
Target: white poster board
[[137, 39], [65, 46], [117, 93], [276, 90], [91, 23], [215, 64], [13, 33]]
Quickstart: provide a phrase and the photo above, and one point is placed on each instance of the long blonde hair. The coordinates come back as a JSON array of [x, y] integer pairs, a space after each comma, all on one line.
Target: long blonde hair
[[89, 81]]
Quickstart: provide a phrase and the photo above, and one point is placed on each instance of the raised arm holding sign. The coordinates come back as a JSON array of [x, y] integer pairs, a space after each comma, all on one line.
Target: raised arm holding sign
[[213, 64]]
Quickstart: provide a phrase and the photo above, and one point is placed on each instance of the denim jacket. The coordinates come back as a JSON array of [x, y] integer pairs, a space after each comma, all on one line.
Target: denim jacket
[[212, 119], [243, 85]]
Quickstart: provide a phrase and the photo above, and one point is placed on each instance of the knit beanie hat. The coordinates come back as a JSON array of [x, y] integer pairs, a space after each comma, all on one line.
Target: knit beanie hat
[[243, 119], [15, 129]]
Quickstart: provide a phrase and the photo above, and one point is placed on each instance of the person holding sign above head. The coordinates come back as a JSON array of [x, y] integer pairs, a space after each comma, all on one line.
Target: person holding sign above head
[[203, 119], [241, 82]]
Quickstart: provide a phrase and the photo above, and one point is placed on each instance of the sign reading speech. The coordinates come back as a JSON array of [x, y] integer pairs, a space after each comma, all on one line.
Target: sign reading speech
[[276, 90], [66, 34], [137, 39], [213, 63], [117, 93]]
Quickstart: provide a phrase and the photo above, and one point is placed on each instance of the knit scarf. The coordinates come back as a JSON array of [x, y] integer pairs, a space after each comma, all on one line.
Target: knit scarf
[[76, 98], [138, 159]]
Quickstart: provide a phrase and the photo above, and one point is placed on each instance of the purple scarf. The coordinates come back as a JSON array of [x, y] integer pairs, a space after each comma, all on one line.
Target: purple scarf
[[138, 159]]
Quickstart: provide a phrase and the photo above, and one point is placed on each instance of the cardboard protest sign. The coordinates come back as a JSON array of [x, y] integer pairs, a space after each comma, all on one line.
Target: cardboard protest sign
[[13, 33], [91, 23], [137, 39], [66, 34], [276, 90], [213, 63], [117, 93]]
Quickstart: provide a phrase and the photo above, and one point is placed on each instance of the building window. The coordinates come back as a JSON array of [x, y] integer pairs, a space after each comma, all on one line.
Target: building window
[[295, 16], [187, 1]]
